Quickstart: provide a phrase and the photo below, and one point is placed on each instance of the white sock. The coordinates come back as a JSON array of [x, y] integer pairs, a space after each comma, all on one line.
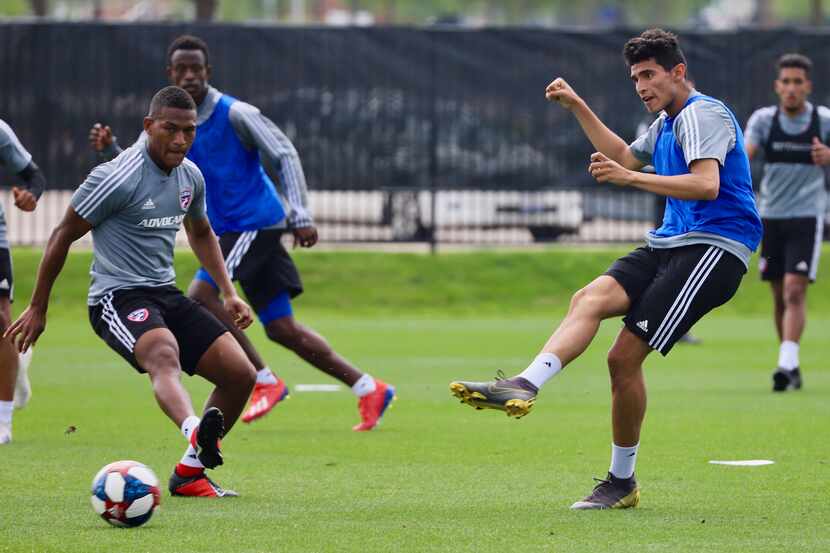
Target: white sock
[[189, 425], [265, 376], [365, 385], [6, 410], [788, 355], [623, 460], [543, 368], [189, 458]]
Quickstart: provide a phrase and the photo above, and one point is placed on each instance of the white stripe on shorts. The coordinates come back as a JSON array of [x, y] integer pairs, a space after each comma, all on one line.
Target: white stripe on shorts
[[709, 269], [243, 244], [678, 304], [816, 247], [115, 324]]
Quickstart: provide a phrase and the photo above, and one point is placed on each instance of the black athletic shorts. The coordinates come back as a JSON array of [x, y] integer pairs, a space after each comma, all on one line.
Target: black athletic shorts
[[671, 289], [258, 260], [121, 317], [6, 278], [791, 246]]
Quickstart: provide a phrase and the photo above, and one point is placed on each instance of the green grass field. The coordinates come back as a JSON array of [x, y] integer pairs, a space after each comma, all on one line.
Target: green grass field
[[436, 476]]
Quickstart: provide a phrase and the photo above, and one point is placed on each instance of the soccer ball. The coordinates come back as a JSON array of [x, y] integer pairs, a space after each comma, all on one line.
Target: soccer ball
[[125, 493]]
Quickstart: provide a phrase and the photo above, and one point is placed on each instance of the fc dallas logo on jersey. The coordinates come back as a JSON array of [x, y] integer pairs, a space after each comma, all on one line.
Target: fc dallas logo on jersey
[[185, 196], [139, 315]]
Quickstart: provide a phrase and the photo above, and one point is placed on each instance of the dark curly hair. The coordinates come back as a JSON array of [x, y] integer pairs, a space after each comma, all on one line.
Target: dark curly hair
[[657, 44], [188, 42], [797, 61]]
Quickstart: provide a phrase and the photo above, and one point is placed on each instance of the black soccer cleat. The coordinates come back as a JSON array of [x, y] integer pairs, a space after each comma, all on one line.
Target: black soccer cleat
[[783, 380], [611, 493], [210, 431], [514, 396]]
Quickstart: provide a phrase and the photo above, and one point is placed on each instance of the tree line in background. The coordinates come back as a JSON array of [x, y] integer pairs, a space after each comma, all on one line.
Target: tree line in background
[[512, 12]]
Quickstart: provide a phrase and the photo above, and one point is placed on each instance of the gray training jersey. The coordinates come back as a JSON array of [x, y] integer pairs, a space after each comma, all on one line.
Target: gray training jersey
[[14, 158], [789, 189], [135, 210]]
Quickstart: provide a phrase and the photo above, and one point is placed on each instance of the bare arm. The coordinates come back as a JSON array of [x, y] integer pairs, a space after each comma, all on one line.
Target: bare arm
[[204, 244], [701, 183], [603, 138], [32, 322]]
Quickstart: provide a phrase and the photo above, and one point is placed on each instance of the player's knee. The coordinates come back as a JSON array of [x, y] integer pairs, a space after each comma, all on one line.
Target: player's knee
[[245, 376], [586, 301], [621, 365], [162, 360], [283, 331], [794, 296]]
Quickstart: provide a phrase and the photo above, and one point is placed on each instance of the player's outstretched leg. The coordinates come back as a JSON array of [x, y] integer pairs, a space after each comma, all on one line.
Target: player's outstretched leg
[[269, 389], [374, 396], [602, 298]]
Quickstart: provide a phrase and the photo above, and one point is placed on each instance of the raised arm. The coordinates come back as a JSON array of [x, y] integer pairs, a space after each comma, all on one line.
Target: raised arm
[[206, 247], [25, 331], [104, 142], [604, 139], [257, 131]]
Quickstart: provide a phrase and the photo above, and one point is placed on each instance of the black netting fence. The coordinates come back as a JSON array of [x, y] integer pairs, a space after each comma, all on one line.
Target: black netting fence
[[405, 133]]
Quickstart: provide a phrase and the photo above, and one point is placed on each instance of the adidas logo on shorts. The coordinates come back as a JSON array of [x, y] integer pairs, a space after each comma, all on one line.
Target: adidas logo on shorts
[[643, 325], [802, 266]]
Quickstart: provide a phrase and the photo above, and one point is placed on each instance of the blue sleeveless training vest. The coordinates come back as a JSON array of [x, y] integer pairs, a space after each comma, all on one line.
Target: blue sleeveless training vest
[[239, 194], [733, 213]]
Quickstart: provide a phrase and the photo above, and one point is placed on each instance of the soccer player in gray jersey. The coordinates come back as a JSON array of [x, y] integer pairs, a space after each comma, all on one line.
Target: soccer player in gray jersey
[[134, 206], [14, 383], [252, 249], [791, 137]]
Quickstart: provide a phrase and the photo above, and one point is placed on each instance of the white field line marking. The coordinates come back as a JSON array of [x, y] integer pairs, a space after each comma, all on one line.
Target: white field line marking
[[316, 387], [747, 463]]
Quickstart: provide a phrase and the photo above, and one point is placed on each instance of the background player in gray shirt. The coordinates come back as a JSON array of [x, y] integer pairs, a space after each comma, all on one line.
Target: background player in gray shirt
[[791, 136], [134, 206], [14, 385]]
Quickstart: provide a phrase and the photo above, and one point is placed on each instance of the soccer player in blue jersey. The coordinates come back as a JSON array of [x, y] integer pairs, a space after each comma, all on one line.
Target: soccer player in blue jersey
[[237, 148], [690, 265]]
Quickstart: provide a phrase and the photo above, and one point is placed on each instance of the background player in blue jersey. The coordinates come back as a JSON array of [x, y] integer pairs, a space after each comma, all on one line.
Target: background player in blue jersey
[[236, 148], [14, 386], [693, 263], [791, 137]]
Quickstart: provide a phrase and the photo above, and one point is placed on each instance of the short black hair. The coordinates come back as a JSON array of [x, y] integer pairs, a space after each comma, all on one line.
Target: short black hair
[[799, 61], [188, 42], [657, 44], [171, 97]]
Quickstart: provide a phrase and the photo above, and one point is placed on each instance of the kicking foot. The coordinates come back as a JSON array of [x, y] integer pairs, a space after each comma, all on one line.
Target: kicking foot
[[372, 406], [611, 493], [197, 486], [514, 396], [265, 398], [783, 380], [205, 439]]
